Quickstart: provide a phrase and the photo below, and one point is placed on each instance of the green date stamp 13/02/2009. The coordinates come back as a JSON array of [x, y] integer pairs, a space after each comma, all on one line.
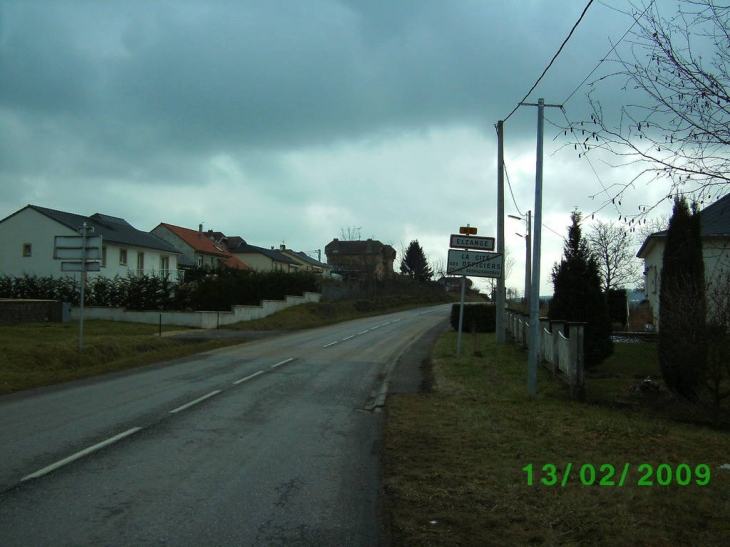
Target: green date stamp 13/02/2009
[[606, 474]]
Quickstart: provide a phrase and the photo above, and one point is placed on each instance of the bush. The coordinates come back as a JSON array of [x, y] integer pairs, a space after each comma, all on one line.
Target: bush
[[477, 317]]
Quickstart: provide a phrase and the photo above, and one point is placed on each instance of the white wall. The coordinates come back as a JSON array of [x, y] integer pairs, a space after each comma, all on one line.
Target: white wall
[[198, 319]]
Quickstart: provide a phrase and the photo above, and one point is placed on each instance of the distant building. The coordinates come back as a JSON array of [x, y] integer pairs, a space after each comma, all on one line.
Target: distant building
[[360, 259], [198, 248], [307, 263]]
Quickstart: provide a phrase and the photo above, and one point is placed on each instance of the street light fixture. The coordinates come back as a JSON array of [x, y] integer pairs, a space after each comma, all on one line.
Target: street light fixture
[[528, 255]]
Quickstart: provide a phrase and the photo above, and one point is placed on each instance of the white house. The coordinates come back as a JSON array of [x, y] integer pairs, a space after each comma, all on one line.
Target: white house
[[715, 232], [27, 242]]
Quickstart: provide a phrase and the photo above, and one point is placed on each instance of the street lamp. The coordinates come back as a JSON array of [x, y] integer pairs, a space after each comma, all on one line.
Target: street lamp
[[528, 255]]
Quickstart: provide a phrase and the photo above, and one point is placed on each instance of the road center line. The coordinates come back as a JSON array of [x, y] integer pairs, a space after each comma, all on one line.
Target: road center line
[[196, 401], [376, 327], [248, 377], [363, 332], [330, 344], [284, 362], [353, 336], [81, 454]]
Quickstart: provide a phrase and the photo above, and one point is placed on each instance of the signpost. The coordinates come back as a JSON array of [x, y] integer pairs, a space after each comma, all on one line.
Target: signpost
[[467, 262], [472, 242], [82, 254], [474, 264]]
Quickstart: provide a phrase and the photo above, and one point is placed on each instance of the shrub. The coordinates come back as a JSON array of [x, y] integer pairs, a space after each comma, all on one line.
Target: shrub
[[477, 317]]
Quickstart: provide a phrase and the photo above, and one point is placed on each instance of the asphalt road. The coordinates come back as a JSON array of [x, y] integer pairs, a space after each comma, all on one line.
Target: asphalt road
[[273, 442]]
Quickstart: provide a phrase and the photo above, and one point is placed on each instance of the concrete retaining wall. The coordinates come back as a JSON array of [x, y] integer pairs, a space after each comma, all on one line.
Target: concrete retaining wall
[[198, 319], [30, 311]]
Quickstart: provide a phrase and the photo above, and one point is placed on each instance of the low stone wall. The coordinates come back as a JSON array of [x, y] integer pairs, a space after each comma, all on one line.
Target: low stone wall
[[197, 319], [14, 311]]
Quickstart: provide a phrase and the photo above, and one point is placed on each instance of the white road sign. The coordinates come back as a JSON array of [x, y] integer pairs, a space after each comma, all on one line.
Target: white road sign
[[472, 242], [70, 248], [79, 267], [474, 264]]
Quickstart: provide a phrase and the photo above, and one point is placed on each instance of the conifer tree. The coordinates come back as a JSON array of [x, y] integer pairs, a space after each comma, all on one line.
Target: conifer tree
[[578, 296], [414, 263], [681, 345]]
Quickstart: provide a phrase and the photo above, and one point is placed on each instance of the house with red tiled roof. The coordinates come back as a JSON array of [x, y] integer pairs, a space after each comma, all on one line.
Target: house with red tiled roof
[[198, 248]]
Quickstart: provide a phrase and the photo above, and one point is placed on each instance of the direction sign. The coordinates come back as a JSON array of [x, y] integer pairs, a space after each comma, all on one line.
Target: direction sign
[[472, 242], [79, 267], [468, 230], [70, 248], [474, 264]]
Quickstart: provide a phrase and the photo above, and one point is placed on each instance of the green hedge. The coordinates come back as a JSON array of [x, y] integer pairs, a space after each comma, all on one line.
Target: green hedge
[[203, 289], [477, 317]]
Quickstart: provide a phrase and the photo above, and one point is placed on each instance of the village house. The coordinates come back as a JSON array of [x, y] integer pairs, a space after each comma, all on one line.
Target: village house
[[198, 248], [306, 262], [715, 233], [27, 240], [260, 258]]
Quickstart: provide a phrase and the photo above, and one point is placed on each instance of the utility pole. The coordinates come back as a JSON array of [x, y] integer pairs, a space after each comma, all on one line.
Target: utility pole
[[534, 334], [500, 315]]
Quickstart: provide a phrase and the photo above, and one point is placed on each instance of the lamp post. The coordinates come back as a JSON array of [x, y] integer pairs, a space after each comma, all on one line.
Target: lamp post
[[528, 255]]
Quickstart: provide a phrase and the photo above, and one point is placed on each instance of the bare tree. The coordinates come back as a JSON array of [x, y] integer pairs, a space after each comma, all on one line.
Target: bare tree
[[613, 249], [680, 132], [351, 233]]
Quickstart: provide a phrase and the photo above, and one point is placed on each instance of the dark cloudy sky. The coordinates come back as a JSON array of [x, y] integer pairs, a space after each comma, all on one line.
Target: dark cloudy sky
[[291, 120]]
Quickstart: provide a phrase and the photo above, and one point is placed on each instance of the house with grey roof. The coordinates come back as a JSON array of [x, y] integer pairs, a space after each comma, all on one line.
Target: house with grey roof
[[260, 258], [27, 239], [715, 233], [307, 263]]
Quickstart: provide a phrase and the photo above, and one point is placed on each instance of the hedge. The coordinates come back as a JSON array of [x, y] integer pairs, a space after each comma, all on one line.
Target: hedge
[[477, 317]]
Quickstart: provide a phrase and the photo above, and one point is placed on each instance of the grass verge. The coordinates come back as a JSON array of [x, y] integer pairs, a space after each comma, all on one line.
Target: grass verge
[[41, 354], [455, 461]]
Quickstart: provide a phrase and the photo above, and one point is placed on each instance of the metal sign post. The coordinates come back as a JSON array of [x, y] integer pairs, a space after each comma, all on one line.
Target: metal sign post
[[82, 254], [471, 263]]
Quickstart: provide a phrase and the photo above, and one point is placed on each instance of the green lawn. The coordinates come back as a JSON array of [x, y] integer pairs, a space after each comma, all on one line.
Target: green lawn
[[456, 459]]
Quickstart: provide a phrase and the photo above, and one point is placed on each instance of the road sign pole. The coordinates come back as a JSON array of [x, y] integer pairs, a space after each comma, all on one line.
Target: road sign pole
[[461, 316], [83, 287]]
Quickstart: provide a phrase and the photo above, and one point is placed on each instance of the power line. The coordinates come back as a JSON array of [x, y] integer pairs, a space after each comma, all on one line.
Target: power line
[[551, 61], [613, 48]]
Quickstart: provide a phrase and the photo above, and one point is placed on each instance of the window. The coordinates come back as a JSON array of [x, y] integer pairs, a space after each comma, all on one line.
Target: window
[[103, 256], [122, 257], [27, 249], [140, 263], [200, 261], [164, 265]]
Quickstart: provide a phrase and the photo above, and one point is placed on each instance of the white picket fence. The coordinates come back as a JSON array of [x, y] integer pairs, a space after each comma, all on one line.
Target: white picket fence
[[560, 347]]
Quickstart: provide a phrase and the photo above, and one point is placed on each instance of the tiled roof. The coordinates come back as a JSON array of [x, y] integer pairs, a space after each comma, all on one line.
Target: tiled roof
[[233, 262], [245, 248], [359, 248], [200, 242], [714, 222], [111, 229], [715, 218], [308, 259]]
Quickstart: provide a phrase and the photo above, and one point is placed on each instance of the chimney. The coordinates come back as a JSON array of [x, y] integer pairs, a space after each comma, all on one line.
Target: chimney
[[282, 247], [200, 230]]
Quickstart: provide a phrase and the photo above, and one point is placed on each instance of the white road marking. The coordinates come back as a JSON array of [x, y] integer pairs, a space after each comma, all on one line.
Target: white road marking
[[248, 377], [196, 401], [284, 362], [376, 327], [330, 344], [363, 332], [353, 336], [81, 454]]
